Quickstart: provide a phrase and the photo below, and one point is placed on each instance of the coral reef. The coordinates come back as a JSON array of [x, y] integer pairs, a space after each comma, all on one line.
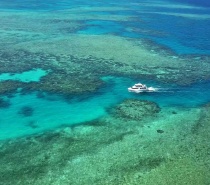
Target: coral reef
[[8, 87], [129, 57], [4, 103], [110, 151], [127, 146], [80, 70], [26, 111], [64, 78], [136, 109], [181, 171], [32, 124]]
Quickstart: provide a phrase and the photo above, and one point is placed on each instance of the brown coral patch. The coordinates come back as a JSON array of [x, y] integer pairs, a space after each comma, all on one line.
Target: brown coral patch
[[136, 109]]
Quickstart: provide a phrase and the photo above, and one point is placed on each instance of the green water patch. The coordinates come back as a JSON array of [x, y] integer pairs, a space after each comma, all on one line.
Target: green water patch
[[27, 76], [137, 155]]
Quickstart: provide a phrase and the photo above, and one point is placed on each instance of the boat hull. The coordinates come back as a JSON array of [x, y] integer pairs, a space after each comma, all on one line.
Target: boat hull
[[149, 89]]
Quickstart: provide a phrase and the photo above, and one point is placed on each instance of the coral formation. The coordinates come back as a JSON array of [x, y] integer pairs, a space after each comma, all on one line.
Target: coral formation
[[181, 171], [8, 87], [26, 111], [112, 153], [74, 71], [64, 78], [138, 142], [136, 109], [4, 103], [129, 57], [32, 124]]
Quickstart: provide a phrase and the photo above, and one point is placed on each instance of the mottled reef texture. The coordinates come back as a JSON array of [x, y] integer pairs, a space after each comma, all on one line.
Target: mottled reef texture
[[132, 109], [115, 151], [137, 143], [80, 68], [4, 103]]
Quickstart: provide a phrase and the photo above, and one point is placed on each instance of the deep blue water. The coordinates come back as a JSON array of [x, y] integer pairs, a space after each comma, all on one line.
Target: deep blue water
[[49, 4], [204, 3], [182, 35]]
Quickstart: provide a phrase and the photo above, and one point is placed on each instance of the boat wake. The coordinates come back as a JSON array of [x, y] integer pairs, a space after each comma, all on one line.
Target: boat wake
[[164, 90], [142, 88]]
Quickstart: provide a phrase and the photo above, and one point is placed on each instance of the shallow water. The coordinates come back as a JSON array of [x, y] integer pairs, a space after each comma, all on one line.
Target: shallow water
[[48, 114], [30, 105], [167, 30], [27, 76]]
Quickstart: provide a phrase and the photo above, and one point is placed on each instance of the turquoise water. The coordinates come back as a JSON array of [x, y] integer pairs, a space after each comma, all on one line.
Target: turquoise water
[[102, 27], [171, 31], [66, 116], [47, 114], [27, 76], [51, 111]]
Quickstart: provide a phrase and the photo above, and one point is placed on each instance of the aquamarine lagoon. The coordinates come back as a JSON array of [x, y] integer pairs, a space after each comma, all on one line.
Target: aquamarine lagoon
[[66, 116]]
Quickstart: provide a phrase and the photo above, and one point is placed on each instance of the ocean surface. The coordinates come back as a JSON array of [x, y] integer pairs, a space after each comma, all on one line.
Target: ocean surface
[[183, 36], [36, 98]]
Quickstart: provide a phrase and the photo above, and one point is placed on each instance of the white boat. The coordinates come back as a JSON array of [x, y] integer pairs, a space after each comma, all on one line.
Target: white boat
[[138, 88]]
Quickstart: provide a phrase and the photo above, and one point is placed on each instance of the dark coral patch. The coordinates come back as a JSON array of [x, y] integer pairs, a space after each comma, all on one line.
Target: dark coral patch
[[140, 165], [26, 111], [40, 95], [32, 124], [4, 103], [160, 131], [136, 109], [9, 86], [75, 75]]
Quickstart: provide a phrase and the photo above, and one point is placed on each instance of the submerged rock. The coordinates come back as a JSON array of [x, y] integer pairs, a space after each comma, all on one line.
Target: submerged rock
[[160, 131], [136, 109], [26, 111], [4, 103]]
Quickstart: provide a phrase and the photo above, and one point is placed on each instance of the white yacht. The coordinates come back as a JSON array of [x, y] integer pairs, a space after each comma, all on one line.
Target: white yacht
[[137, 88]]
